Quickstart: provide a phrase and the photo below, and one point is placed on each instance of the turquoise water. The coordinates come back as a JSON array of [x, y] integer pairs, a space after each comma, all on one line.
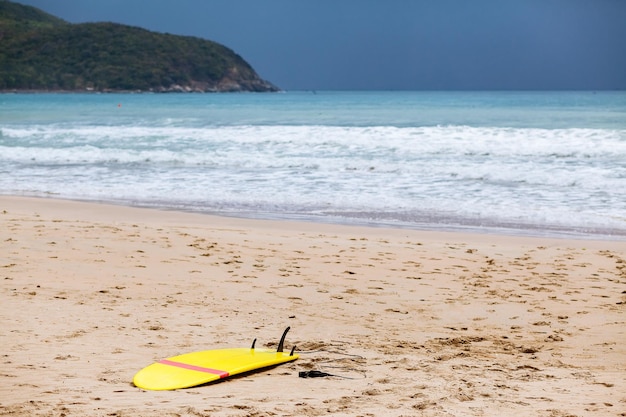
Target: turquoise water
[[547, 163]]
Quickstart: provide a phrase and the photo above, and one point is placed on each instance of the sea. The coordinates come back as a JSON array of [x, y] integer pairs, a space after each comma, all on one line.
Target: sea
[[522, 163]]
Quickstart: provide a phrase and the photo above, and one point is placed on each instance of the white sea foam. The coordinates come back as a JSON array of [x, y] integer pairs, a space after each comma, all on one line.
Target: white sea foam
[[571, 178]]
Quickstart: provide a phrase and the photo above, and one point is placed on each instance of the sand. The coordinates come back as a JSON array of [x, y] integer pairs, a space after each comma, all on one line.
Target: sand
[[410, 322]]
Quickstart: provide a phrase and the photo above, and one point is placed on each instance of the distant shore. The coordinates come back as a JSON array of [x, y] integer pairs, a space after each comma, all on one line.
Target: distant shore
[[177, 90]]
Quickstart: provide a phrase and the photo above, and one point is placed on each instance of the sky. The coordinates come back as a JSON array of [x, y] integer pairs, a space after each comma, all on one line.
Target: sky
[[395, 44]]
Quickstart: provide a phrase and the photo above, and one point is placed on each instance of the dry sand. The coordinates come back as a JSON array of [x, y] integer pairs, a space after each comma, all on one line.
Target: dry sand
[[414, 323]]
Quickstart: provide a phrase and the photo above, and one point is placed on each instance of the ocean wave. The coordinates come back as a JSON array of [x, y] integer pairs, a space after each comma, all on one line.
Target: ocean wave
[[398, 171]]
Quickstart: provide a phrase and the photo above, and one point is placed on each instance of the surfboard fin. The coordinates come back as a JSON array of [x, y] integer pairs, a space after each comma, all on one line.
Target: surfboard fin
[[282, 340], [253, 343]]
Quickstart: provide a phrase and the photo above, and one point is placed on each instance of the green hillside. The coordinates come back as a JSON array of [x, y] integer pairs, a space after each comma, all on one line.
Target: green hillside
[[16, 18], [41, 52]]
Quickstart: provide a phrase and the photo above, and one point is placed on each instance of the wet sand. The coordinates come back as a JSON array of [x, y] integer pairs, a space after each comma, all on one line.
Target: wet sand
[[410, 322]]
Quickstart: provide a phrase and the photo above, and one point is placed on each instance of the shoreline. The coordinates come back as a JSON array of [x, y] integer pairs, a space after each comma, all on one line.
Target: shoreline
[[427, 322], [496, 229]]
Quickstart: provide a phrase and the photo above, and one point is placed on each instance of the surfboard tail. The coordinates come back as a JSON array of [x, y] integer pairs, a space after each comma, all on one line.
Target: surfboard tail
[[281, 344]]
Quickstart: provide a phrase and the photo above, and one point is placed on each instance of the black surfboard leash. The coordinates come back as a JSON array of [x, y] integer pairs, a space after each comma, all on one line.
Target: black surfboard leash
[[322, 372]]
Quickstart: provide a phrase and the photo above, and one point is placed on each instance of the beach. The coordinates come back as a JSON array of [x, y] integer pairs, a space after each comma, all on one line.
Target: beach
[[408, 322]]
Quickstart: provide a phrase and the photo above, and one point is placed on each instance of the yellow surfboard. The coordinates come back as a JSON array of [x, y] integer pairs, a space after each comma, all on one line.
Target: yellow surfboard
[[197, 368]]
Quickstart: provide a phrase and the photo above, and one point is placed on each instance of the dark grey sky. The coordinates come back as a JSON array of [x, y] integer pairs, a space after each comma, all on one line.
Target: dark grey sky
[[395, 44]]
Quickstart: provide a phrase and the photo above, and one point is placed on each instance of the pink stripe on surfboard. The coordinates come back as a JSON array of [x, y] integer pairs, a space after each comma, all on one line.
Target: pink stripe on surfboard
[[222, 374]]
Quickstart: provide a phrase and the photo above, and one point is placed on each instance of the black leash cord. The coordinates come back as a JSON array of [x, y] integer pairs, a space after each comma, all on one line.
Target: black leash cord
[[322, 374], [313, 374]]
